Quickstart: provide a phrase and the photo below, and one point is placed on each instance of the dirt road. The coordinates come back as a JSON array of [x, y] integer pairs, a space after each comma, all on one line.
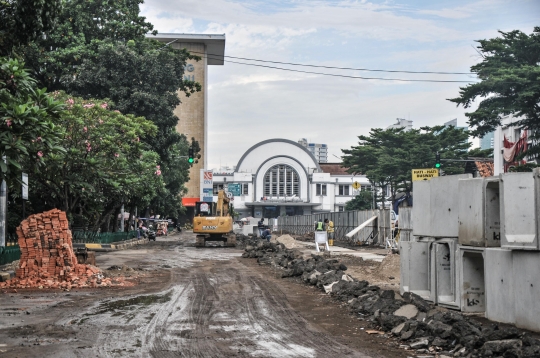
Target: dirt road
[[188, 302]]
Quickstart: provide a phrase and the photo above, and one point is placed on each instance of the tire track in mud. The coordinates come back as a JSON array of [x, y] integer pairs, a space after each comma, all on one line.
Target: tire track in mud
[[216, 309]]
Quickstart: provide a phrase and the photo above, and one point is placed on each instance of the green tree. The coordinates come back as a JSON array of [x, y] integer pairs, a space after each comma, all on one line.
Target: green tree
[[509, 84], [387, 156], [27, 121], [480, 153], [104, 166], [362, 201], [24, 21]]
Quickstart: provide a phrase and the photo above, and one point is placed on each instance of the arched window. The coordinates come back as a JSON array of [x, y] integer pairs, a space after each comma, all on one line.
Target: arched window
[[281, 180]]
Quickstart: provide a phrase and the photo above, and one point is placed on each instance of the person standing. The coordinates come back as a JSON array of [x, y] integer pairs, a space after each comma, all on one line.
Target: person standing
[[330, 230], [261, 226]]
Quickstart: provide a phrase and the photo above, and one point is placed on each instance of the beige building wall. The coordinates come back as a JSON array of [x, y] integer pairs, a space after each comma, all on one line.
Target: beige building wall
[[192, 112]]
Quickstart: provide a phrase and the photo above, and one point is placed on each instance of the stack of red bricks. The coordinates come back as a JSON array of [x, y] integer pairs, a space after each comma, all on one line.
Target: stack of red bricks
[[47, 258]]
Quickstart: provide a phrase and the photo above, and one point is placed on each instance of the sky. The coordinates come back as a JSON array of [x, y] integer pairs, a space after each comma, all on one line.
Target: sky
[[248, 104]]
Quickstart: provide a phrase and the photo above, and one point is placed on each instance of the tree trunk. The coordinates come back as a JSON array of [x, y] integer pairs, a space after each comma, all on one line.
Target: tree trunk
[[115, 218]]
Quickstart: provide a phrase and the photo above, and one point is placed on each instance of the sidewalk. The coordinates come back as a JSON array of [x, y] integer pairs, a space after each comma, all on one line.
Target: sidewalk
[[309, 248], [120, 245]]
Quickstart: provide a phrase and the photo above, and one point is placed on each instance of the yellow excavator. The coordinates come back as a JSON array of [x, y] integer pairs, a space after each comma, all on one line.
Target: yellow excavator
[[213, 222]]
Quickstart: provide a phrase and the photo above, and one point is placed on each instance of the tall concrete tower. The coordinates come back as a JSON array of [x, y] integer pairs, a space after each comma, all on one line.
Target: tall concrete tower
[[192, 112]]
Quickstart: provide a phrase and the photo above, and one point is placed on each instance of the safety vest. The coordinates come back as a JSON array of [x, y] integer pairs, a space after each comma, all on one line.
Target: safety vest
[[330, 226], [320, 226]]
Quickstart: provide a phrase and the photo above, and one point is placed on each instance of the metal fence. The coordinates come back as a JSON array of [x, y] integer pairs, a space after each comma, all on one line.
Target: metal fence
[[102, 237], [8, 254], [344, 222]]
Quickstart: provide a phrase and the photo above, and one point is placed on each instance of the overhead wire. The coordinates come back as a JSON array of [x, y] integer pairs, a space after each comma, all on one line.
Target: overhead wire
[[221, 57]]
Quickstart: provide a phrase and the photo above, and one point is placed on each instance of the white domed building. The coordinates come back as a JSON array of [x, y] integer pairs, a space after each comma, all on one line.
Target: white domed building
[[280, 177]]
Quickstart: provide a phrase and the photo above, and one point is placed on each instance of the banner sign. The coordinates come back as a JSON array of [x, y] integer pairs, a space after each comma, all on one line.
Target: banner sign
[[207, 185]]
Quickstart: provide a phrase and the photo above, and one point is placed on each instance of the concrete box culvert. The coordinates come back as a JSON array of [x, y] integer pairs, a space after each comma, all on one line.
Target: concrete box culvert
[[526, 281], [472, 282], [479, 212], [499, 285], [443, 275], [520, 210], [414, 266]]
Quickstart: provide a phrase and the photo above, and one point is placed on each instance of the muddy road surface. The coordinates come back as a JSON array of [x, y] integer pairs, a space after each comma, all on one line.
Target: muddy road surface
[[188, 302]]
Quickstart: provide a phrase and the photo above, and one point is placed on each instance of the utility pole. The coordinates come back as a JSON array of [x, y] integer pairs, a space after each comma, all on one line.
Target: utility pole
[[122, 219], [3, 211]]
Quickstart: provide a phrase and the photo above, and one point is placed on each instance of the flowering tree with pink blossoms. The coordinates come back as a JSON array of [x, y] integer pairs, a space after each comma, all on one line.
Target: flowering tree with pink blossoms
[[104, 164], [27, 121]]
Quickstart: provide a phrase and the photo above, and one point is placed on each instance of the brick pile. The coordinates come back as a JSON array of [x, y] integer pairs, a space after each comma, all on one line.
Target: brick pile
[[47, 257]]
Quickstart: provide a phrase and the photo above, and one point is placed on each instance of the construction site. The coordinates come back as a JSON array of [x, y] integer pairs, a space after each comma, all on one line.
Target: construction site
[[459, 280]]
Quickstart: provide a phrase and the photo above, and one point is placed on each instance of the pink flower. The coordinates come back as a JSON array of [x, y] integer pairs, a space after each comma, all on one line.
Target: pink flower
[[104, 105], [138, 139], [70, 101], [89, 148], [8, 122], [89, 105], [40, 154], [85, 129], [100, 121], [158, 172], [157, 166], [38, 139], [116, 155], [117, 111]]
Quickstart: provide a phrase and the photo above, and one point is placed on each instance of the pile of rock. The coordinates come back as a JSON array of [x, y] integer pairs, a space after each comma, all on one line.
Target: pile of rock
[[47, 258], [409, 319]]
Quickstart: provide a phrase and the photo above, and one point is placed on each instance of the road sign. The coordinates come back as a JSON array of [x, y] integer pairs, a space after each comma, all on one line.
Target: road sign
[[424, 174], [234, 189], [356, 185], [229, 194]]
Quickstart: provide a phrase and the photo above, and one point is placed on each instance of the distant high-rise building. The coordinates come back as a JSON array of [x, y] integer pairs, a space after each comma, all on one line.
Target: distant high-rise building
[[320, 151], [401, 123], [487, 141]]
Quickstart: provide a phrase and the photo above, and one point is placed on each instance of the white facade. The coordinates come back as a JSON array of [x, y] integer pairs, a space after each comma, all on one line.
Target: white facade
[[281, 177]]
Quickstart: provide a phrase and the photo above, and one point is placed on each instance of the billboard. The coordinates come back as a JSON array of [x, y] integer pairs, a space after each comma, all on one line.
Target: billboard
[[207, 185]]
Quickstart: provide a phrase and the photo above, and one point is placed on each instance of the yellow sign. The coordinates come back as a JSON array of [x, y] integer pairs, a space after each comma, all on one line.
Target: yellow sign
[[356, 185], [424, 174]]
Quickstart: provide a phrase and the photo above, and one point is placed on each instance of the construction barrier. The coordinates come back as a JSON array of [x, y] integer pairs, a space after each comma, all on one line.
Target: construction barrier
[[102, 237], [9, 254]]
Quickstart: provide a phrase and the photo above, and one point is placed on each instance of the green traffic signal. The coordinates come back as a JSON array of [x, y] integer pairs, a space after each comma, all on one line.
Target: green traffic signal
[[191, 156], [190, 160], [437, 160], [437, 165]]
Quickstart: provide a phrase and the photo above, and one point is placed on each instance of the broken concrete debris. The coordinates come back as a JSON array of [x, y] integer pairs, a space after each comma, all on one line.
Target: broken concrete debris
[[47, 257], [409, 319]]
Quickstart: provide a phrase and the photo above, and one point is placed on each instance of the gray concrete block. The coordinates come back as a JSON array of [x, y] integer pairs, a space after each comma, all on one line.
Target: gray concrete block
[[443, 273], [473, 289], [471, 205], [519, 210], [443, 212], [421, 208], [499, 285], [525, 274]]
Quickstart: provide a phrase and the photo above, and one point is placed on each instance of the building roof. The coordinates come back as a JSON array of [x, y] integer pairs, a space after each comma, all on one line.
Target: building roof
[[333, 169], [215, 44]]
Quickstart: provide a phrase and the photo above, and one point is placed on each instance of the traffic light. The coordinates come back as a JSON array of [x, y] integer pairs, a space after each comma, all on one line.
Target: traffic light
[[437, 160], [191, 157]]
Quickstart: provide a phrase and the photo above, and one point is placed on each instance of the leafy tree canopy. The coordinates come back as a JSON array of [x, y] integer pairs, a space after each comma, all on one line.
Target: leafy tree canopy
[[387, 156], [362, 201], [509, 84], [104, 164], [25, 20], [27, 121]]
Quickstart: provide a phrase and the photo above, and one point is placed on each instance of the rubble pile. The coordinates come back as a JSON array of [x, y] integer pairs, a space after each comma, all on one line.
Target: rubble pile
[[409, 319], [47, 258]]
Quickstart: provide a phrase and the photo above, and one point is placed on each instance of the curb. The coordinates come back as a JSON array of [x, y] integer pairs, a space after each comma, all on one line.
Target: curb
[[111, 247]]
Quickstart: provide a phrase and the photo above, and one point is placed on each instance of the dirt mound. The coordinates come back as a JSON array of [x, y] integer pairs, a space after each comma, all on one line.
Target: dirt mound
[[288, 241], [47, 258]]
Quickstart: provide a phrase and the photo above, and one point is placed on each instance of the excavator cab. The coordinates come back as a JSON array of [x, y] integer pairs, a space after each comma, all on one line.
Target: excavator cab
[[212, 221]]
